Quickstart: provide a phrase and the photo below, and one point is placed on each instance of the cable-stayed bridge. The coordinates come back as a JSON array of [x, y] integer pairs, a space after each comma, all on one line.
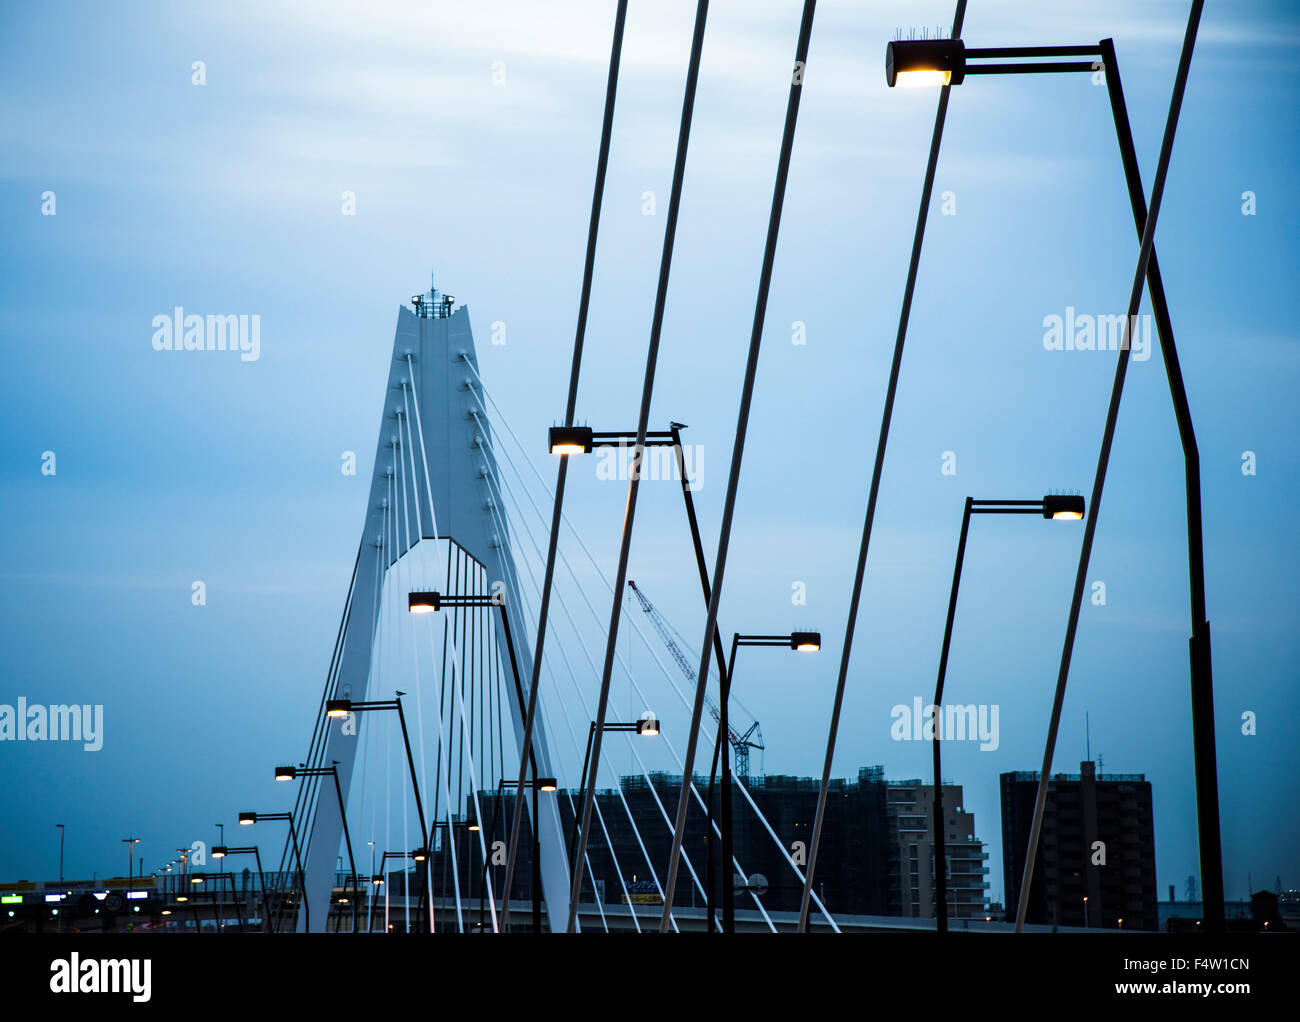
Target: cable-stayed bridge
[[455, 507]]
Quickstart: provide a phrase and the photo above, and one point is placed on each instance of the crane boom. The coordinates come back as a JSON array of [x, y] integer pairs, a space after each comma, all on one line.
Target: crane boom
[[740, 743]]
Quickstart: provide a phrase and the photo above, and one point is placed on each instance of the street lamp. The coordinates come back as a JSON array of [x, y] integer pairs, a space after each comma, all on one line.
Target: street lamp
[[452, 847], [222, 851], [925, 62], [215, 893], [568, 440], [379, 878], [539, 784], [647, 727], [426, 602], [289, 773], [1053, 507], [901, 55], [340, 708], [803, 642], [247, 819], [423, 603], [948, 61], [130, 843]]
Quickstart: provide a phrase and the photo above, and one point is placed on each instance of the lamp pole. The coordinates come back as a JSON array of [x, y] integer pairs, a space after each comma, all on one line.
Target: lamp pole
[[339, 709], [289, 773], [130, 843], [249, 818], [950, 58], [944, 62], [543, 784], [221, 852], [647, 726], [61, 830], [1060, 508], [801, 641], [430, 602], [571, 440]]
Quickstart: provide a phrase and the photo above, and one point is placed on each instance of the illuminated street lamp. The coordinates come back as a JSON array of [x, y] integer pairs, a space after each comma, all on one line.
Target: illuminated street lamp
[[647, 727], [340, 708], [130, 843], [925, 62], [247, 819], [289, 773], [425, 602], [803, 642], [943, 62], [379, 879], [336, 709], [222, 851], [1054, 507], [539, 784], [570, 439]]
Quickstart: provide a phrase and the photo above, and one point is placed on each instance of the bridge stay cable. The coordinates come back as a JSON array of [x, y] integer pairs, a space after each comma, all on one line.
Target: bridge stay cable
[[635, 684], [503, 422]]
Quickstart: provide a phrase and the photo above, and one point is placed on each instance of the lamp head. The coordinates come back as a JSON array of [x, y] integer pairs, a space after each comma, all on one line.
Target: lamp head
[[806, 642], [377, 880], [570, 439], [285, 773], [922, 62], [546, 784], [647, 726], [338, 707], [219, 851], [1063, 508], [420, 854], [247, 818], [424, 603]]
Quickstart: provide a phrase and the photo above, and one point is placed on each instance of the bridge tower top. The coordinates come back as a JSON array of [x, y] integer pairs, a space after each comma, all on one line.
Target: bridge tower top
[[433, 304]]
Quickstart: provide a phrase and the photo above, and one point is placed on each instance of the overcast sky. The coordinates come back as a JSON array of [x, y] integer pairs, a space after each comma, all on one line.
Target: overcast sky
[[467, 136]]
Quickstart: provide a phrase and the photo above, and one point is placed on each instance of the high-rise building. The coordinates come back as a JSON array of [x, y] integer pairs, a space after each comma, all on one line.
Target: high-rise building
[[910, 808], [1096, 863]]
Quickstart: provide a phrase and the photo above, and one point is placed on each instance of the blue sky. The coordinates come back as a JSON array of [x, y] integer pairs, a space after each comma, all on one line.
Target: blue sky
[[226, 198]]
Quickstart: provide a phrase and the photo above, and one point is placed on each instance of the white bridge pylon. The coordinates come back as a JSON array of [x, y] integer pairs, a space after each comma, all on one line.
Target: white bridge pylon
[[429, 469]]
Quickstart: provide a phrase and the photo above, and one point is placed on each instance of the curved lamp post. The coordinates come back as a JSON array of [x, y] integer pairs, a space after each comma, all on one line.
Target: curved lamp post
[[1058, 508], [247, 819], [950, 62]]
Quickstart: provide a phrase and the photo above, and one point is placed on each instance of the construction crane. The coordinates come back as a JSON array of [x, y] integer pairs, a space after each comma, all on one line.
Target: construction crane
[[741, 742]]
